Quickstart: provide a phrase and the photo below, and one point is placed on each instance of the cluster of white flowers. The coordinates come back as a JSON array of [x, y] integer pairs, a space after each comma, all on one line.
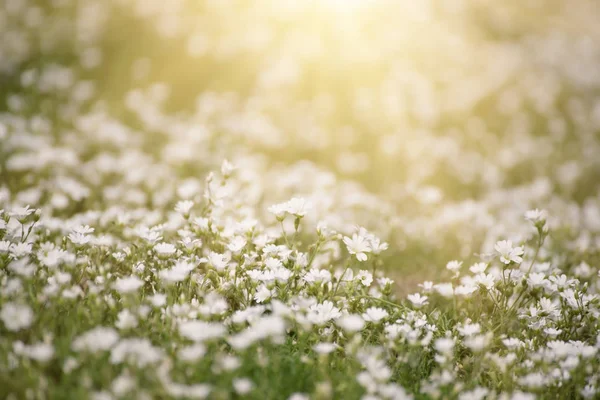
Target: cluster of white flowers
[[250, 292]]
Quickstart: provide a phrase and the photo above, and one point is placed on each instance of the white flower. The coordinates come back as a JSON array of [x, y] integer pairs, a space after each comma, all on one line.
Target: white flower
[[454, 266], [139, 352], [202, 223], [351, 323], [377, 246], [128, 284], [374, 314], [512, 343], [227, 168], [553, 332], [199, 331], [417, 300], [479, 393], [97, 339], [466, 290], [298, 396], [218, 261], [273, 263], [83, 229], [384, 281], [298, 207], [486, 280], [444, 289], [469, 329], [243, 386], [79, 238], [21, 212], [262, 294], [103, 395], [508, 253], [178, 273], [126, 320], [228, 362], [444, 345], [278, 210], [237, 244], [16, 316], [478, 268], [317, 275], [358, 245], [41, 352], [268, 326], [192, 353], [20, 250], [364, 277], [324, 348], [123, 384], [183, 207], [536, 280], [150, 235], [214, 304], [536, 216], [164, 249], [158, 299], [5, 246], [320, 314], [282, 274], [427, 286]]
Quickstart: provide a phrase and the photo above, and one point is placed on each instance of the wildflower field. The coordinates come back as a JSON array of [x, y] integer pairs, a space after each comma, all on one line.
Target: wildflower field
[[284, 199]]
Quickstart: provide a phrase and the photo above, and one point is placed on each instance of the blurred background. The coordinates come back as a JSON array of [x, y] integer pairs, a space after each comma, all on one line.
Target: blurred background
[[435, 124]]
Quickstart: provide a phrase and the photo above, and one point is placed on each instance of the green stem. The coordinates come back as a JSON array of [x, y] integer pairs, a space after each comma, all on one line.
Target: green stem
[[389, 303], [340, 280], [284, 235], [533, 260]]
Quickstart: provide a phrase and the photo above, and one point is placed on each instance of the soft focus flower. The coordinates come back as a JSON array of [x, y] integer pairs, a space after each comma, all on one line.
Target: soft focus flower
[[508, 253], [16, 316]]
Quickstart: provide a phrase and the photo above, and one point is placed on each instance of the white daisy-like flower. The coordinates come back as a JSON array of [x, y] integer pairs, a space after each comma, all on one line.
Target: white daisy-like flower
[[21, 212], [279, 210], [508, 253], [320, 314], [454, 265], [317, 275], [536, 216], [418, 300], [227, 168], [374, 314], [218, 261], [357, 245], [298, 207], [183, 207], [478, 268], [164, 249]]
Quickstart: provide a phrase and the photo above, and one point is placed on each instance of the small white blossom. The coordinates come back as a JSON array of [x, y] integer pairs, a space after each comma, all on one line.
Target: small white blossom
[[375, 314], [128, 284], [16, 316], [508, 253], [358, 246]]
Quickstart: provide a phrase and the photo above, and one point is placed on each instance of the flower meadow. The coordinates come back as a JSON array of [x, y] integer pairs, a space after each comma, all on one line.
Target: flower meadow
[[296, 200]]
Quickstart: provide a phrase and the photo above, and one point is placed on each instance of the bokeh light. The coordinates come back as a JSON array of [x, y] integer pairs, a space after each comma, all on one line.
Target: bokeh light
[[433, 124]]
